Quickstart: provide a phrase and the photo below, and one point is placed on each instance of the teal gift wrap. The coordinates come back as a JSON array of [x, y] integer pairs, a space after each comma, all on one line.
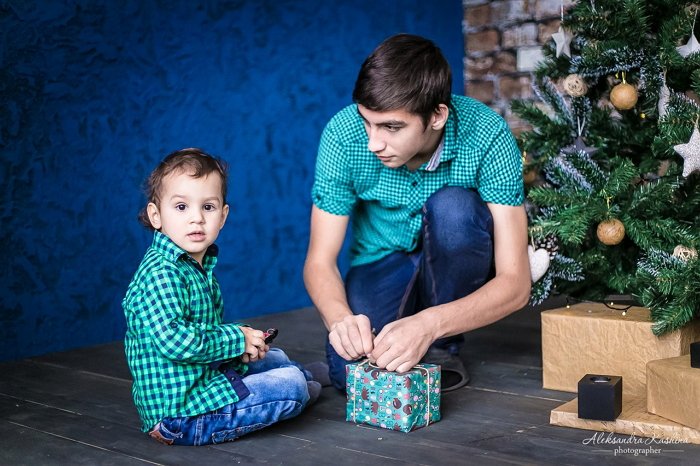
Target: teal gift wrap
[[403, 402]]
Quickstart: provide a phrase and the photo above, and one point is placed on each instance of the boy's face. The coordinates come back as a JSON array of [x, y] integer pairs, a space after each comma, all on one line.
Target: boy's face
[[398, 137], [191, 212]]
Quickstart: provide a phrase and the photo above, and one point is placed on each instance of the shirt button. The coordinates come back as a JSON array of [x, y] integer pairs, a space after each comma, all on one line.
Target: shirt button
[[414, 184], [412, 214]]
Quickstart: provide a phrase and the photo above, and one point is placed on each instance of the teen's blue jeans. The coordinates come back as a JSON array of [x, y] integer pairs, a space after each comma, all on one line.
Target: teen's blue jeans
[[277, 392], [454, 258]]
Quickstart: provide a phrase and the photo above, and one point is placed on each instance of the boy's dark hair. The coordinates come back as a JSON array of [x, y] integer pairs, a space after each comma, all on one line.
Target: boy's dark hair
[[193, 161], [404, 72]]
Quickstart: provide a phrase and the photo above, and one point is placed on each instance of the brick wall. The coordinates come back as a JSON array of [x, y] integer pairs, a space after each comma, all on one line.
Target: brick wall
[[503, 43]]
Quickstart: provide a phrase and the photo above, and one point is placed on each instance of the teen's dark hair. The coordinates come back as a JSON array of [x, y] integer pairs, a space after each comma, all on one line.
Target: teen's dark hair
[[404, 72], [192, 161]]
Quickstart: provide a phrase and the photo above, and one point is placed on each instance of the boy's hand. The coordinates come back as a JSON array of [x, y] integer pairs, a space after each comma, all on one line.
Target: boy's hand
[[401, 344], [255, 347], [352, 337]]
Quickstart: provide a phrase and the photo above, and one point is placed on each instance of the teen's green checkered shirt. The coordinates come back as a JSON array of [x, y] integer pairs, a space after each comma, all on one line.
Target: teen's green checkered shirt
[[174, 314], [478, 152]]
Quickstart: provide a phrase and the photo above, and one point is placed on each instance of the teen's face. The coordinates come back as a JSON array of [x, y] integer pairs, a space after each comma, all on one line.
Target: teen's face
[[191, 212], [398, 137]]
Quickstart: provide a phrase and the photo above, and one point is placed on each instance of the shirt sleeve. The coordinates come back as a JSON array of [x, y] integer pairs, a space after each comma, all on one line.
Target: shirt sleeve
[[500, 177], [332, 191], [176, 337]]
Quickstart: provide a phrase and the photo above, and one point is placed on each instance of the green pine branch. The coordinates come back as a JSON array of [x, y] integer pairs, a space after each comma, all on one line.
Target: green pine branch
[[669, 289]]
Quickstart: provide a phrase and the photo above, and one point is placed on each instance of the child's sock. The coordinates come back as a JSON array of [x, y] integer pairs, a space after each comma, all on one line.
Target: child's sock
[[314, 391], [319, 372]]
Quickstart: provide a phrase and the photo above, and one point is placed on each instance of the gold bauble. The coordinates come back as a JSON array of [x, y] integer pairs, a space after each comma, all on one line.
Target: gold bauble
[[529, 176], [623, 96], [684, 253], [575, 85], [611, 232]]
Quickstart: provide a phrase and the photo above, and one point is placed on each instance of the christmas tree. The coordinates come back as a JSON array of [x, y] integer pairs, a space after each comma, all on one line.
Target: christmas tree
[[612, 163]]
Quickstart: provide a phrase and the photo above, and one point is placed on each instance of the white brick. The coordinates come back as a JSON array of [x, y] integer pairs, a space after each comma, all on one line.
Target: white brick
[[520, 36], [509, 11], [550, 8], [529, 57]]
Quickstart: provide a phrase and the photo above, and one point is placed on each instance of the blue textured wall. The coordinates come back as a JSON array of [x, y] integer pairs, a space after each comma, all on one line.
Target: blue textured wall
[[94, 93]]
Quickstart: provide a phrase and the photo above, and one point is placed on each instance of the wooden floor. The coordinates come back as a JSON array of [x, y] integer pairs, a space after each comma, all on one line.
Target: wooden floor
[[75, 408]]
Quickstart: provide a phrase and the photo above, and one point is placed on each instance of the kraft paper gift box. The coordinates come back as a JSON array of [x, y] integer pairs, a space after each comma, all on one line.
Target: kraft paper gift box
[[673, 390], [402, 402], [591, 338]]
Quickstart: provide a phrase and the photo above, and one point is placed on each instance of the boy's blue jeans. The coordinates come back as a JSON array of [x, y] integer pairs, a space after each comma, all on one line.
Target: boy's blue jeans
[[278, 391], [455, 258]]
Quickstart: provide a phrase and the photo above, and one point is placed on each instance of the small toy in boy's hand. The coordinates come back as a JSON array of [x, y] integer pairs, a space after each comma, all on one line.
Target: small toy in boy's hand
[[270, 335]]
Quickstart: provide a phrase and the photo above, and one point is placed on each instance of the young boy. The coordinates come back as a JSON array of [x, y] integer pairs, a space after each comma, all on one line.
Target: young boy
[[196, 379]]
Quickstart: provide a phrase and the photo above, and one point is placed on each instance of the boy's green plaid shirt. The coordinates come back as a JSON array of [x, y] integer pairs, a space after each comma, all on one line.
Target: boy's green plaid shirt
[[478, 152], [174, 313]]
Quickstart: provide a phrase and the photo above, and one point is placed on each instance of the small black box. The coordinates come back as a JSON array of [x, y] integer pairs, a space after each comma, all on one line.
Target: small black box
[[600, 397], [695, 354]]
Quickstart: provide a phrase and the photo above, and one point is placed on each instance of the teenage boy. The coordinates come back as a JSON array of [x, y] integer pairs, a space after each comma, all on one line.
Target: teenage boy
[[432, 183], [198, 380]]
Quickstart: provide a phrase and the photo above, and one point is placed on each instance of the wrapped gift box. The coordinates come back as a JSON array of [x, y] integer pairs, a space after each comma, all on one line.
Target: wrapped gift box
[[403, 402], [590, 338], [673, 390]]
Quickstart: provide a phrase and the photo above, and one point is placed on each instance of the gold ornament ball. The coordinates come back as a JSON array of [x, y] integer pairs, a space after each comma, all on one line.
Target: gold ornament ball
[[623, 96], [529, 176], [575, 85], [611, 232], [684, 253]]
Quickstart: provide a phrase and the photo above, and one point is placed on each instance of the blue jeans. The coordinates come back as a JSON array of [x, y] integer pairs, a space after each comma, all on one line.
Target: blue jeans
[[278, 391], [454, 258]]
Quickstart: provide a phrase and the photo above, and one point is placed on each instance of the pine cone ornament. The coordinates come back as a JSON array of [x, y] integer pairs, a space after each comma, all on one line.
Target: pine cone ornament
[[549, 243], [575, 85], [684, 253], [611, 232]]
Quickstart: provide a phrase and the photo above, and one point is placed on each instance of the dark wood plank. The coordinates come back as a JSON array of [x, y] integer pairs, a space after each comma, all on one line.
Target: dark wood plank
[[548, 450], [108, 359], [23, 445], [512, 378], [79, 392], [456, 433], [94, 438], [415, 447]]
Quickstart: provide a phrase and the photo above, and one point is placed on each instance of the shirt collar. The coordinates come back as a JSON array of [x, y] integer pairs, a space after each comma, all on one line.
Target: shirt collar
[[167, 247], [445, 150], [437, 155]]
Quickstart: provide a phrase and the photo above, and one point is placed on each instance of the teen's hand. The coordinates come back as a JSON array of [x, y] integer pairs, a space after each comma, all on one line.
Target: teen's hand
[[352, 337], [401, 344], [255, 347]]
